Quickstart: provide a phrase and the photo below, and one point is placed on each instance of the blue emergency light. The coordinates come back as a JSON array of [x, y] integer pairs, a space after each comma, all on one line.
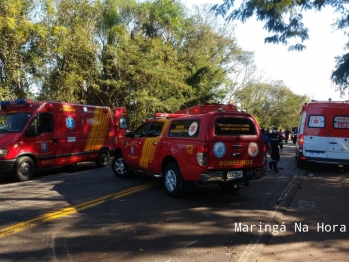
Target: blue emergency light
[[16, 102]]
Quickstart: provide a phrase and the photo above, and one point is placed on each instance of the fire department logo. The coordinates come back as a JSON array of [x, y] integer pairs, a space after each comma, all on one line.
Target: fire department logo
[[192, 128], [219, 149], [70, 122], [44, 147], [252, 149]]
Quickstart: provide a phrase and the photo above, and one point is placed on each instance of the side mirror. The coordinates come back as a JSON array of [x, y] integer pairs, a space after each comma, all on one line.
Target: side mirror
[[31, 131], [128, 133]]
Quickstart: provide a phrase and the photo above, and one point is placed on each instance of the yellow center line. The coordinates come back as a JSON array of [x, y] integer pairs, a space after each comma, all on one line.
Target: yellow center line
[[70, 210]]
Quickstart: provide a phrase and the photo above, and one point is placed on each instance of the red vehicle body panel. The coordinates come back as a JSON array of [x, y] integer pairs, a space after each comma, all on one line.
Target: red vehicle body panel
[[149, 154], [323, 133], [78, 132]]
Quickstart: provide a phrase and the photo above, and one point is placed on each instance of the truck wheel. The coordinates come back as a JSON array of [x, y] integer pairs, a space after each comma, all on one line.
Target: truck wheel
[[103, 158], [23, 169], [119, 166], [172, 180], [299, 163]]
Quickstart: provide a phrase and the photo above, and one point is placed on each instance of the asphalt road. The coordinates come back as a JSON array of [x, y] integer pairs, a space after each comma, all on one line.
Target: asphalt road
[[88, 214]]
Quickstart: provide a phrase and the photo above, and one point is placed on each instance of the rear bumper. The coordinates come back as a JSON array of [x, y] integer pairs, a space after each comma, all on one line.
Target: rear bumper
[[6, 166], [319, 160], [221, 176]]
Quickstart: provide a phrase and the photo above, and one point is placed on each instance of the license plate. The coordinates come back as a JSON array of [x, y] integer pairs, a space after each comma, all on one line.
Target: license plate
[[315, 153], [234, 174]]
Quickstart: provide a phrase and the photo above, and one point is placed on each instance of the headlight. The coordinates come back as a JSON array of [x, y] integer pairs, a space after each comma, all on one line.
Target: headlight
[[3, 152]]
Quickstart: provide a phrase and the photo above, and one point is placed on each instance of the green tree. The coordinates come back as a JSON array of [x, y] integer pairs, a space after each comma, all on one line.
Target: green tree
[[156, 57], [15, 33], [70, 52], [272, 103], [283, 19]]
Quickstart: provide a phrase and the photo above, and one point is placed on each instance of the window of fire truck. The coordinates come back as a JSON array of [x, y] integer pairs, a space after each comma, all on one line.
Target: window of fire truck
[[13, 123], [155, 129], [184, 128], [228, 126], [341, 122], [142, 131], [317, 121], [123, 122]]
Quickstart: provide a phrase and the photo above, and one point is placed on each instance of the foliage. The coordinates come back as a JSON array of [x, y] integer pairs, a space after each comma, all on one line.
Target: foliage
[[273, 103], [148, 56], [15, 33], [283, 18]]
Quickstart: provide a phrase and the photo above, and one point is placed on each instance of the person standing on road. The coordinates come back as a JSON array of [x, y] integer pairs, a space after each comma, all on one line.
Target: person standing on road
[[267, 146], [287, 135], [276, 142]]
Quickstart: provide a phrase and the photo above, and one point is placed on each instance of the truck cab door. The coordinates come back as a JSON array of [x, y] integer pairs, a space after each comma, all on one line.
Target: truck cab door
[[144, 147], [40, 138], [135, 145], [151, 148]]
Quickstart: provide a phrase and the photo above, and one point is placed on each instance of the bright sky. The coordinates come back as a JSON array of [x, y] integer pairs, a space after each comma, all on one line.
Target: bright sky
[[305, 73]]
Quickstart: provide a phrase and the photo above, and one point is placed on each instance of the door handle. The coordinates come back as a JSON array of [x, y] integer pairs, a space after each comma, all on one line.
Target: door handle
[[139, 143], [155, 143]]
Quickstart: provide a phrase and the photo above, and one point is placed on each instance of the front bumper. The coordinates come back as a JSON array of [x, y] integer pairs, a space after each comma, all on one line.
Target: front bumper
[[6, 166]]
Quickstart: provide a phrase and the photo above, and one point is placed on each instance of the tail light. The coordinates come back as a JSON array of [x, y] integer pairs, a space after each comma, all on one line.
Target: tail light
[[300, 142], [202, 155]]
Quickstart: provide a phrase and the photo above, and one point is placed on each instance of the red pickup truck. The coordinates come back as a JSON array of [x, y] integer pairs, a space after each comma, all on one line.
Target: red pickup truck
[[222, 146]]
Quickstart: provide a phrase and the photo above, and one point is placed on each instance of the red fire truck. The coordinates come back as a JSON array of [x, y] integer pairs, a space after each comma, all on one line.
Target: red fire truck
[[36, 135], [209, 143]]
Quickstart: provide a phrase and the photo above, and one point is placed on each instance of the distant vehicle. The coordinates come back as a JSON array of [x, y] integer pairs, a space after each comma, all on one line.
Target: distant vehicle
[[294, 134], [323, 133], [207, 144], [41, 134]]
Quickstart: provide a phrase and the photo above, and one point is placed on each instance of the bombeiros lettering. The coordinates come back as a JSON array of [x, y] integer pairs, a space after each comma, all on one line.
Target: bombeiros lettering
[[246, 162]]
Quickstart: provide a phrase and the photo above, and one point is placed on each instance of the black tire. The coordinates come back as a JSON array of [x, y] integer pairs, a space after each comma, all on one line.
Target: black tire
[[172, 180], [228, 187], [299, 163], [23, 169], [103, 158], [119, 166]]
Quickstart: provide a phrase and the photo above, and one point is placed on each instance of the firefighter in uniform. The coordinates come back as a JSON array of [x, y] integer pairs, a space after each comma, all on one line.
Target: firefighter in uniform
[[276, 142]]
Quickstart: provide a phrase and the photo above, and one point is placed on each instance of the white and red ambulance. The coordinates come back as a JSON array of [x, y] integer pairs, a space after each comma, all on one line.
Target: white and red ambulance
[[323, 133]]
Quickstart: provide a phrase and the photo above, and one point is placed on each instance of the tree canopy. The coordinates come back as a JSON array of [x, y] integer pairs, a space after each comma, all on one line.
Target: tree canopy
[[283, 19], [149, 56]]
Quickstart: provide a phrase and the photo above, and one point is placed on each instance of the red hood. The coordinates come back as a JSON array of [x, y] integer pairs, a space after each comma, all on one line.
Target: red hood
[[8, 138]]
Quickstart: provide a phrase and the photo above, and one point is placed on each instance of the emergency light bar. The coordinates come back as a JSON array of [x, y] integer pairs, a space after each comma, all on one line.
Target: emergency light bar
[[166, 115], [16, 102]]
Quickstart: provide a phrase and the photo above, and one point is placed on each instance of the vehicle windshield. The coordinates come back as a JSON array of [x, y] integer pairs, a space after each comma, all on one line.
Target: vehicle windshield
[[13, 123]]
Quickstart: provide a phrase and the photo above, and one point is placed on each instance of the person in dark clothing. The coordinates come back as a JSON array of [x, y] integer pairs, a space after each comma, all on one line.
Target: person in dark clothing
[[287, 135], [267, 146], [276, 142]]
